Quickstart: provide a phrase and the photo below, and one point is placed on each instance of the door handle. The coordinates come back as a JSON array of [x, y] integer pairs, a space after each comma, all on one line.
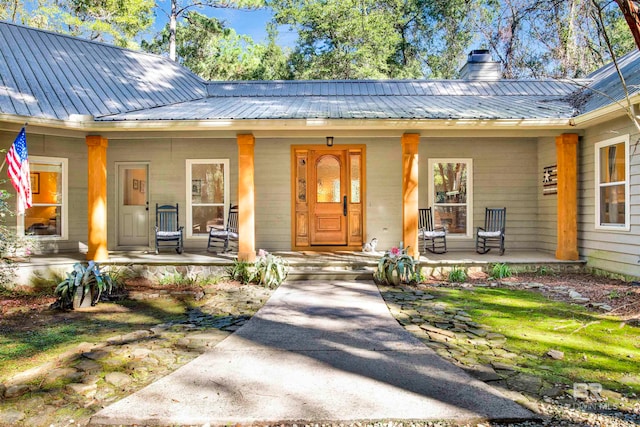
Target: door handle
[[344, 206]]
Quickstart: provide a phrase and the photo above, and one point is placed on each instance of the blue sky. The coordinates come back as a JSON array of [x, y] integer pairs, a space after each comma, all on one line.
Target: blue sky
[[252, 23]]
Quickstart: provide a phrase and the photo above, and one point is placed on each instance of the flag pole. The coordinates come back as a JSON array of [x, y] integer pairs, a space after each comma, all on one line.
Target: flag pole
[[4, 162]]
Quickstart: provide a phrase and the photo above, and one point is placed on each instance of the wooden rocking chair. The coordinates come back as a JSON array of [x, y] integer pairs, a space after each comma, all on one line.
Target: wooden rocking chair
[[434, 238], [227, 235], [168, 229], [492, 234]]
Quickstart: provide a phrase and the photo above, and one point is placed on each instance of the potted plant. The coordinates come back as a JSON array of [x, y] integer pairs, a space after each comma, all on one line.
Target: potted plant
[[395, 267], [82, 287]]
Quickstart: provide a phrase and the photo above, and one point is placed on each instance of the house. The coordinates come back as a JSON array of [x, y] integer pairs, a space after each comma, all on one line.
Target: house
[[317, 165]]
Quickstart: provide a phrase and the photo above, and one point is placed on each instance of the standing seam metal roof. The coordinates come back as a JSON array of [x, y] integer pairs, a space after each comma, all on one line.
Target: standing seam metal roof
[[48, 75]]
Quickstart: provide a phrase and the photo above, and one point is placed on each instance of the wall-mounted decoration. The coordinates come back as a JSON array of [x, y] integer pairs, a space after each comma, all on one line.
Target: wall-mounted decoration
[[196, 187], [35, 182], [136, 184], [550, 180], [143, 185]]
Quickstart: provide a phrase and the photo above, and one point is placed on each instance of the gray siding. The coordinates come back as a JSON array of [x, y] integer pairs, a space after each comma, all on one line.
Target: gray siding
[[74, 149], [547, 205], [167, 173], [384, 192], [273, 193], [616, 251], [505, 174]]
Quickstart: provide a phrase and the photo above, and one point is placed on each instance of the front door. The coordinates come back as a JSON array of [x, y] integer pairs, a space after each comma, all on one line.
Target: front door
[[133, 205], [328, 197]]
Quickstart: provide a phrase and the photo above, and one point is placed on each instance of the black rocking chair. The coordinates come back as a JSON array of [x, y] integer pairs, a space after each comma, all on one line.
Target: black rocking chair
[[434, 238], [168, 228], [492, 234], [227, 235]]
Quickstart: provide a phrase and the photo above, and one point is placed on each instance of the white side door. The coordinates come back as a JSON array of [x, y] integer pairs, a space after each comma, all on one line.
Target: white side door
[[133, 204]]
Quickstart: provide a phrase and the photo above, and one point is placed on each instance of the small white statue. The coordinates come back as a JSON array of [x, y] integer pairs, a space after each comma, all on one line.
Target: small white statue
[[370, 246]]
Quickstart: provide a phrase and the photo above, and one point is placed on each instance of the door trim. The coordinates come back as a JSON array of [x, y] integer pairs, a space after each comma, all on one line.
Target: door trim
[[117, 204], [298, 212]]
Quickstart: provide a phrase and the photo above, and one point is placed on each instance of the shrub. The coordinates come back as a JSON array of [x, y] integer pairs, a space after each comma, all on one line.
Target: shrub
[[11, 244], [501, 271], [89, 280], [241, 271], [270, 270], [543, 270], [457, 275], [395, 267]]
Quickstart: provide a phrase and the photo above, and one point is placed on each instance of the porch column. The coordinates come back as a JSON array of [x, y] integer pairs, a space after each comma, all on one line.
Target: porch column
[[410, 143], [246, 198], [567, 157], [97, 197]]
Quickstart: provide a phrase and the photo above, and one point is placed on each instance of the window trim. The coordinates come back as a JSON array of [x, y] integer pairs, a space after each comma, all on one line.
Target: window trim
[[627, 187], [469, 204], [227, 191], [64, 164]]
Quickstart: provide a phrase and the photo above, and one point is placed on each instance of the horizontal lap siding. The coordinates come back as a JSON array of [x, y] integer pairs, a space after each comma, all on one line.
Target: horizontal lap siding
[[505, 173], [615, 251], [547, 205], [167, 174], [74, 149], [273, 194], [384, 191], [273, 191]]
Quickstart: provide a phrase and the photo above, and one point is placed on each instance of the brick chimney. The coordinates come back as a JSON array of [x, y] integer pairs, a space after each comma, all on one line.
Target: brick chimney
[[480, 66]]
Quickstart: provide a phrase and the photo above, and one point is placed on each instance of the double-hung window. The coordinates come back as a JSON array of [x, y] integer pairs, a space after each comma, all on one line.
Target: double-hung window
[[47, 217], [451, 185], [612, 184], [207, 195]]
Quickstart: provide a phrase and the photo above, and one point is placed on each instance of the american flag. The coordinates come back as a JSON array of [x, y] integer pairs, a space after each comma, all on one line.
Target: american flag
[[18, 161]]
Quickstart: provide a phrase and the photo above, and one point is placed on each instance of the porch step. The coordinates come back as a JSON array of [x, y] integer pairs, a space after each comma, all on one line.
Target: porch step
[[295, 274], [331, 271]]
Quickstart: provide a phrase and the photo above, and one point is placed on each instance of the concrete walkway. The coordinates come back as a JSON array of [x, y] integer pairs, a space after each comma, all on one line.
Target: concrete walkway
[[316, 352]]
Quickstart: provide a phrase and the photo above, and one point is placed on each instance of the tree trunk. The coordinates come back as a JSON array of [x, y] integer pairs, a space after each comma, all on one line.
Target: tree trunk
[[630, 11], [172, 30]]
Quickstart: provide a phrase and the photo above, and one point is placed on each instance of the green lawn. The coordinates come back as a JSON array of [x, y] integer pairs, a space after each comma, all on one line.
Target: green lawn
[[598, 348], [34, 341]]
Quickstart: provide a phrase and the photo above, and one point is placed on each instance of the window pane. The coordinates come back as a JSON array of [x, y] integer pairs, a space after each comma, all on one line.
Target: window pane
[[355, 178], [450, 182], [205, 217], [612, 163], [207, 183], [43, 220], [450, 196], [46, 183], [45, 216], [302, 179], [452, 218], [612, 205], [135, 187], [328, 180]]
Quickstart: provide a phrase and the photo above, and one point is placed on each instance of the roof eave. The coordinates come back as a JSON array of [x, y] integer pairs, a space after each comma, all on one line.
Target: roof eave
[[328, 124], [608, 112], [89, 125]]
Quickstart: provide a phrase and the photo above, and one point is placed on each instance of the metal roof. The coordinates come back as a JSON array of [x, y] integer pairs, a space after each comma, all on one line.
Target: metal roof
[[606, 87], [49, 75], [357, 107]]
